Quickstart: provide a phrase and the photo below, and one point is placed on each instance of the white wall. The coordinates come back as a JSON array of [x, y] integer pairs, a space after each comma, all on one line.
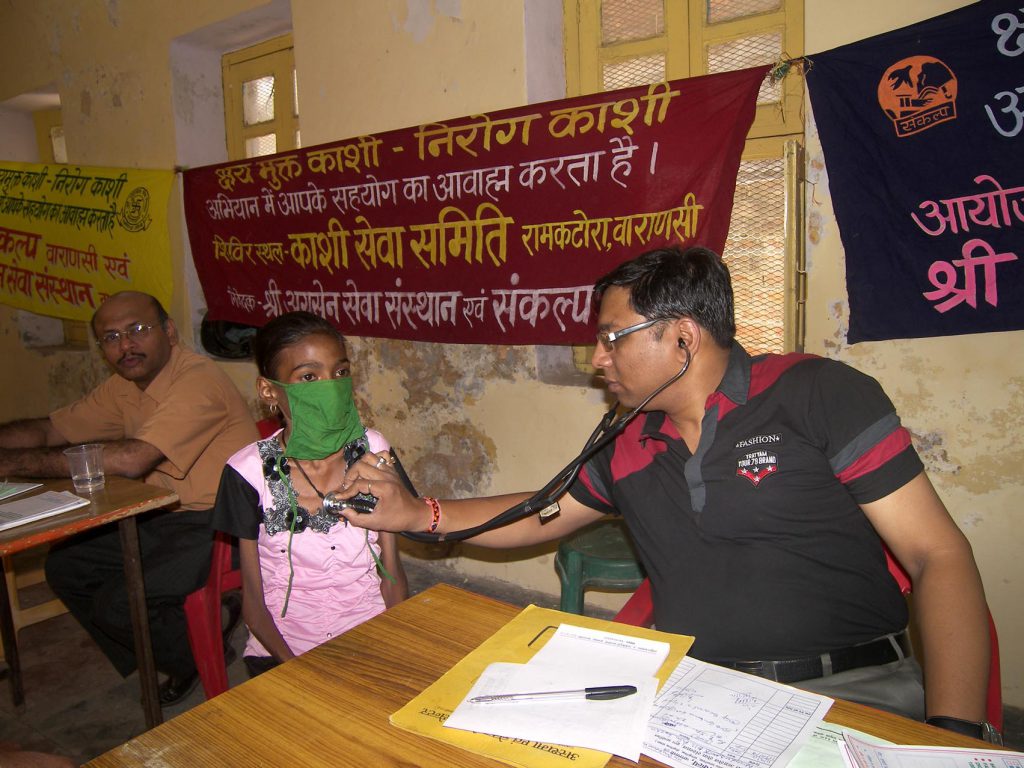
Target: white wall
[[17, 136]]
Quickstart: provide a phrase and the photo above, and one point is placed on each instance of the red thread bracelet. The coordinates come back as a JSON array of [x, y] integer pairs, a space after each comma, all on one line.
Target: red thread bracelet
[[435, 513]]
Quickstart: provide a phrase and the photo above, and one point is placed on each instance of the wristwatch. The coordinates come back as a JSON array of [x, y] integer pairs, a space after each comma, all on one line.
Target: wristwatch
[[983, 731]]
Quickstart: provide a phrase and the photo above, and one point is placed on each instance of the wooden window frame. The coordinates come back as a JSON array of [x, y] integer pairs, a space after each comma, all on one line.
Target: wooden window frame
[[272, 57], [777, 131], [684, 45]]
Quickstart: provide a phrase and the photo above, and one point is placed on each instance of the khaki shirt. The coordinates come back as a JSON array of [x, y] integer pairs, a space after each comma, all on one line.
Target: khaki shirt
[[191, 412]]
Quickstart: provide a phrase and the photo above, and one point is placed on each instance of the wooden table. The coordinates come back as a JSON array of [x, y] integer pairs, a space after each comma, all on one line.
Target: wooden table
[[330, 706], [120, 500]]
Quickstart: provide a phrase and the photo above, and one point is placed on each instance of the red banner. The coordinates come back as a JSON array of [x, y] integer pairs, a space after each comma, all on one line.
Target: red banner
[[486, 229]]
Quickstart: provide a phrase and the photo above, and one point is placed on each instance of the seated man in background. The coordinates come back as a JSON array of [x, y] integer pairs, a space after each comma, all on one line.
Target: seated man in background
[[758, 491], [172, 418]]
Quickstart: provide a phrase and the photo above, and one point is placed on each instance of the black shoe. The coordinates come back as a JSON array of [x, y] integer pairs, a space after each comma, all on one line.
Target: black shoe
[[174, 689]]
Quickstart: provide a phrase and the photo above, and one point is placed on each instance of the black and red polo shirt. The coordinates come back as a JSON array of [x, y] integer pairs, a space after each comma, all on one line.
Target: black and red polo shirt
[[755, 544]]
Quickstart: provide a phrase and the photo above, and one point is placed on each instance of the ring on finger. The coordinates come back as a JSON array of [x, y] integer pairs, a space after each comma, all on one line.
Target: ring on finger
[[381, 461], [369, 488]]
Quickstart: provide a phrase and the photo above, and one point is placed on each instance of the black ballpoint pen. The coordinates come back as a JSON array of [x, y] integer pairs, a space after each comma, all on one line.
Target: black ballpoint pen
[[599, 693]]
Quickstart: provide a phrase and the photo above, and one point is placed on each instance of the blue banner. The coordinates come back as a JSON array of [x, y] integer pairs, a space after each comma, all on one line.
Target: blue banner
[[923, 134]]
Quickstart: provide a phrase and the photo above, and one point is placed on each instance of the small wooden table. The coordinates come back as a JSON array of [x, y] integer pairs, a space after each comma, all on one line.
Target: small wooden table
[[120, 500], [330, 706]]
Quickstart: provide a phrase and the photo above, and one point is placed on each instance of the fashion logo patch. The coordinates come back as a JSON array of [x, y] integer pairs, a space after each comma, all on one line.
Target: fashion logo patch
[[917, 93], [757, 465], [759, 440]]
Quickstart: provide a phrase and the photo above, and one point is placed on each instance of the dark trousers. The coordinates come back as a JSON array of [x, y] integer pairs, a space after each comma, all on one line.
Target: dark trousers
[[257, 665], [87, 574]]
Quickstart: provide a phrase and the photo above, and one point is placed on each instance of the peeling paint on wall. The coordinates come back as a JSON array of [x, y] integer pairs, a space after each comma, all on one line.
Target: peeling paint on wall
[[73, 375], [450, 8], [419, 21], [421, 16], [932, 450], [418, 394], [814, 225], [836, 343], [990, 431]]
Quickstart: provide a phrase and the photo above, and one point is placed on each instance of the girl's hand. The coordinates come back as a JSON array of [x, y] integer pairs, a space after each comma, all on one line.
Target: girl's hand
[[396, 510]]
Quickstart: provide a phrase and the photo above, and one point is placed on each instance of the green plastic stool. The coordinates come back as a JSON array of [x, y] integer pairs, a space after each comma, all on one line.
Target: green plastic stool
[[600, 555]]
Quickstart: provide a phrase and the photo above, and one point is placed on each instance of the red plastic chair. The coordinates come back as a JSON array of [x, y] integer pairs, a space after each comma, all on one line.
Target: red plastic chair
[[639, 611], [202, 613], [202, 607]]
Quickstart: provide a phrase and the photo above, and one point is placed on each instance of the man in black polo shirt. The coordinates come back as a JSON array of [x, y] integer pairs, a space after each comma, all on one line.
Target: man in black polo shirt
[[758, 491]]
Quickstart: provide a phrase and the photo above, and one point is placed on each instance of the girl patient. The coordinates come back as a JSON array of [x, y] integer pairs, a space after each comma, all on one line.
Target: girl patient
[[306, 575]]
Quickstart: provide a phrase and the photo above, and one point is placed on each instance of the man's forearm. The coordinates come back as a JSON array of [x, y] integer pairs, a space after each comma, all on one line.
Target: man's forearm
[[33, 462], [29, 433], [130, 458], [953, 618]]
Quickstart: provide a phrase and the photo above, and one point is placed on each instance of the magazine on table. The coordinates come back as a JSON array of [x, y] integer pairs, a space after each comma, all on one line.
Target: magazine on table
[[22, 511], [7, 490]]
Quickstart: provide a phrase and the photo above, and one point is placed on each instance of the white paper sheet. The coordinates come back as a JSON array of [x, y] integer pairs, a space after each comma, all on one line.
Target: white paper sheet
[[713, 717], [616, 726], [573, 658], [580, 648]]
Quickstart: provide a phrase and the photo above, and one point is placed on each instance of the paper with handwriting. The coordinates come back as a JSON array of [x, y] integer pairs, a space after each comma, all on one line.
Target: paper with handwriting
[[713, 717]]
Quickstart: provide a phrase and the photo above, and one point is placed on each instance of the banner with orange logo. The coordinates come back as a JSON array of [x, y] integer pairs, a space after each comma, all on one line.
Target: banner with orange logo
[[923, 134]]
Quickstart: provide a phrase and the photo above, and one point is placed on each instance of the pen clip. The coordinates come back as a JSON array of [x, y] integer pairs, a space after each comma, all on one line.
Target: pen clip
[[606, 692]]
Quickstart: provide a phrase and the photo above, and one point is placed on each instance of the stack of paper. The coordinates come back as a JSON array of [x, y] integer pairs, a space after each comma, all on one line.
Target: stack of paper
[[824, 748], [575, 658], [517, 643], [22, 511]]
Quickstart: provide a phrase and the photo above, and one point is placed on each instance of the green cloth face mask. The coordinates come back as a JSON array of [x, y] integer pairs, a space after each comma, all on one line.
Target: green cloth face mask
[[323, 417]]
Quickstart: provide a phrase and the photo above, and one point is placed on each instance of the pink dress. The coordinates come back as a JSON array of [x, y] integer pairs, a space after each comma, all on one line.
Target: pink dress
[[335, 585]]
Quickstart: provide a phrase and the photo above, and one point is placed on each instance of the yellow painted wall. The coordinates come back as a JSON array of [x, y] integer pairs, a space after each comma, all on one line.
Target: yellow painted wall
[[473, 420], [962, 397]]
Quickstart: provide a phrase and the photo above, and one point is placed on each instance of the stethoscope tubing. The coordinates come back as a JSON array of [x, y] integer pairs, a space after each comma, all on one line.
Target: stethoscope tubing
[[606, 431]]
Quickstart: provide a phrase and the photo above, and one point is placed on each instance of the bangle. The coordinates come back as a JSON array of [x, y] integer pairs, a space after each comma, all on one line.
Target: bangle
[[435, 513]]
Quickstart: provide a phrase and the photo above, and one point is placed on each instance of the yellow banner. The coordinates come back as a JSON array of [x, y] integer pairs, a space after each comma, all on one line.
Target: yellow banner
[[72, 235]]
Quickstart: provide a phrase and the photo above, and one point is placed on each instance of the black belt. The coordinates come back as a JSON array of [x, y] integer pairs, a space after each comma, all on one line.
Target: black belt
[[869, 654]]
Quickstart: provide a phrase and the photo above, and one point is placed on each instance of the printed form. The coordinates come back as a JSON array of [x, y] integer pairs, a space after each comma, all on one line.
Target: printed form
[[714, 717], [861, 754]]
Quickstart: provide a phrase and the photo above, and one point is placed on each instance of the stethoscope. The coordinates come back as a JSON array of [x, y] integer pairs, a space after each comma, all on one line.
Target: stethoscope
[[545, 501]]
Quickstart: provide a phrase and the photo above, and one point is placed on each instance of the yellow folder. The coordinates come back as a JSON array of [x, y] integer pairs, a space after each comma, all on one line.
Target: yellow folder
[[516, 642]]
